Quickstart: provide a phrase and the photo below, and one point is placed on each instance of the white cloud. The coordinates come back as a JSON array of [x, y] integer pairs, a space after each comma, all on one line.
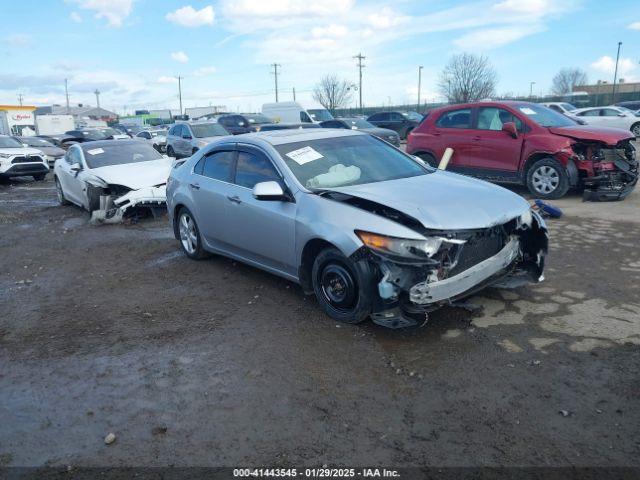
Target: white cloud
[[489, 38], [204, 71], [18, 40], [286, 8], [332, 30], [607, 65], [190, 17], [386, 18], [536, 7], [180, 57], [634, 26], [166, 80], [114, 11], [75, 16]]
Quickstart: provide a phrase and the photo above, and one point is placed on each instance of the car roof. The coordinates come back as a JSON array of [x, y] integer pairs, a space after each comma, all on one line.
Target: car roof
[[282, 137], [108, 143]]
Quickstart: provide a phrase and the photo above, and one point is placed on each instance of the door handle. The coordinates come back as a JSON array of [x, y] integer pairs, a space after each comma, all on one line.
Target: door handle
[[195, 186], [477, 138], [234, 199]]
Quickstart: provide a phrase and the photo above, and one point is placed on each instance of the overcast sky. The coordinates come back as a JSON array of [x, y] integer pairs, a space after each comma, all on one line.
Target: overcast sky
[[132, 50]]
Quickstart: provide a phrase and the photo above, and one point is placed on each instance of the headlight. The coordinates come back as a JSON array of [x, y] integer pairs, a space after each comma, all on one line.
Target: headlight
[[6, 155], [202, 143], [401, 247]]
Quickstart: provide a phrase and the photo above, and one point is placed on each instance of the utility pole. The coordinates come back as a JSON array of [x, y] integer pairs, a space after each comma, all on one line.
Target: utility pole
[[275, 76], [360, 67], [531, 90], [66, 92], [20, 98], [615, 75], [419, 85], [294, 94], [97, 93], [180, 92]]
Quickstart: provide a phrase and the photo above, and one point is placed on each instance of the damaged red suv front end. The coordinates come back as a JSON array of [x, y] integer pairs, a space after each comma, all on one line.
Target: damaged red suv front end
[[605, 159]]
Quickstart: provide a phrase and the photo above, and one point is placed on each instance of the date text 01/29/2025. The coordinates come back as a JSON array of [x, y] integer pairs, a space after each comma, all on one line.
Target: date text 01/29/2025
[[316, 472]]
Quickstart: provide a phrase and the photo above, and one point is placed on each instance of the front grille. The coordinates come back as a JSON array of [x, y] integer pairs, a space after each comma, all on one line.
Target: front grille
[[23, 159], [480, 246]]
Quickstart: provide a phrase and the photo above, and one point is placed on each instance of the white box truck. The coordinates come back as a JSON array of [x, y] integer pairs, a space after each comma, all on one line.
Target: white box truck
[[286, 112], [54, 124]]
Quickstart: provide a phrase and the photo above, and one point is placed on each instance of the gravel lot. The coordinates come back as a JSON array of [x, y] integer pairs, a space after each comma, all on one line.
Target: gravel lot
[[213, 363]]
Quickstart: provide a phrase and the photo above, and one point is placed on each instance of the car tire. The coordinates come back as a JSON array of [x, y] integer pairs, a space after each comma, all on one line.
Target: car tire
[[40, 177], [635, 129], [62, 200], [170, 152], [343, 287], [429, 159], [547, 179], [189, 235]]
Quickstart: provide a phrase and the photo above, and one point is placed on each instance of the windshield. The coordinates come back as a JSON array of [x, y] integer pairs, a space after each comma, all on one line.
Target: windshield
[[117, 153], [627, 110], [545, 117], [351, 160], [36, 142], [8, 142], [415, 116], [320, 114], [202, 130], [358, 123], [258, 118]]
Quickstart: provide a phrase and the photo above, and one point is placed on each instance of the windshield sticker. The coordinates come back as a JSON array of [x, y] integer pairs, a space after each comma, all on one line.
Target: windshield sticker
[[95, 151], [304, 155], [527, 111]]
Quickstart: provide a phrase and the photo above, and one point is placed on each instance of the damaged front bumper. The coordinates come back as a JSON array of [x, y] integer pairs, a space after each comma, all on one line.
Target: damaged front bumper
[[114, 210], [507, 256]]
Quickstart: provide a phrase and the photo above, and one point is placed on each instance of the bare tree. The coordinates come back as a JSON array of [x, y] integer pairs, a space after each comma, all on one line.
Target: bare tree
[[566, 79], [332, 92], [468, 78]]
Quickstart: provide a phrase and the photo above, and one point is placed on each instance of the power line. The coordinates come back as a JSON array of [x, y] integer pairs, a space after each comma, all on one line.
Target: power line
[[275, 76], [360, 67]]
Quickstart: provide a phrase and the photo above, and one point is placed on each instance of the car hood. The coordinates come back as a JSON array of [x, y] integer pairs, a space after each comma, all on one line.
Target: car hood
[[610, 136], [136, 175], [444, 200], [21, 151], [52, 151], [379, 132]]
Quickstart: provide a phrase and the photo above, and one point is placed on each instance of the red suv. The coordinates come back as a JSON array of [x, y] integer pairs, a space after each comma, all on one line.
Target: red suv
[[527, 143]]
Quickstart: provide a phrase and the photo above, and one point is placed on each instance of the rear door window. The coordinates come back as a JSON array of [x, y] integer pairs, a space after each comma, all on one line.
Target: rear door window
[[217, 165], [455, 119], [590, 113]]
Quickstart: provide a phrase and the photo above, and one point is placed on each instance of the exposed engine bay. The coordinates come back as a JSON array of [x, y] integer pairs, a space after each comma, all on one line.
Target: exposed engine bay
[[606, 172], [116, 203], [449, 265]]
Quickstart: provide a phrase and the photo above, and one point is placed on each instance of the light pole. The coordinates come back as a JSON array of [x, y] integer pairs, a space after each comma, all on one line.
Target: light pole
[[419, 85], [275, 76], [180, 92], [615, 74], [531, 90], [360, 57]]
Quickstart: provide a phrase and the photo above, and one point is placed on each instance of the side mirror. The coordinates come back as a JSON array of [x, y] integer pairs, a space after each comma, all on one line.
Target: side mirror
[[26, 145], [269, 191], [76, 167], [187, 137], [622, 115], [510, 128]]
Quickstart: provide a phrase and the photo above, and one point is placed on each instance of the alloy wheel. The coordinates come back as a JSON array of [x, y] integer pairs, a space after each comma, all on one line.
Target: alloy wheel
[[188, 233], [636, 130], [545, 179]]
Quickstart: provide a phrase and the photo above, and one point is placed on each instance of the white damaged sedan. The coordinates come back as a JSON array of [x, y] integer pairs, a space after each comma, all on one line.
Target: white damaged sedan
[[113, 180]]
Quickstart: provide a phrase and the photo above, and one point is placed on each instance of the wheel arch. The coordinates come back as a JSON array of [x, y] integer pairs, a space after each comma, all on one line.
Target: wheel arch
[[309, 253], [176, 211], [568, 164]]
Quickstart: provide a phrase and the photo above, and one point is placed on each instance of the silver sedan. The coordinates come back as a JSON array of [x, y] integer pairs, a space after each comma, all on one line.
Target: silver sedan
[[371, 231]]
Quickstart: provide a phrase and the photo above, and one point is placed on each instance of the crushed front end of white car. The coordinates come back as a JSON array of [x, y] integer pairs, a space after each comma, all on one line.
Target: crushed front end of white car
[[117, 203]]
